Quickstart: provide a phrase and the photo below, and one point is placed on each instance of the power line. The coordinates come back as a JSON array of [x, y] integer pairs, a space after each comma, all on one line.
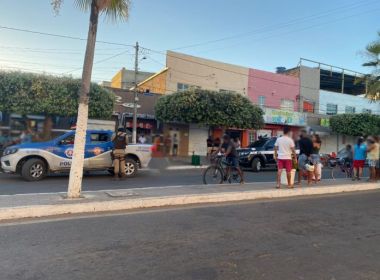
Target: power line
[[179, 71], [223, 69], [53, 65], [249, 75], [55, 49], [37, 71], [322, 108], [33, 63], [245, 90], [280, 25], [97, 62], [60, 36], [291, 31], [45, 53]]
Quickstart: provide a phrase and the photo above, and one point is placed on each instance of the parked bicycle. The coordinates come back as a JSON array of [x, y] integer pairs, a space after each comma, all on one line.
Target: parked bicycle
[[220, 171], [338, 165]]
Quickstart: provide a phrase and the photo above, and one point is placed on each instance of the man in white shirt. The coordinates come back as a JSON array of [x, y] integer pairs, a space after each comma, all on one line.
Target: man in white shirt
[[284, 153], [142, 139]]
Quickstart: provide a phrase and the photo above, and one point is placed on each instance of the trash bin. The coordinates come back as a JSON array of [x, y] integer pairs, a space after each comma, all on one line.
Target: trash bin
[[195, 160]]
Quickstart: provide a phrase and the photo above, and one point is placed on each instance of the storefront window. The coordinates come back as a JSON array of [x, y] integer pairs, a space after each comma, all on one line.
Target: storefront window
[[251, 136]]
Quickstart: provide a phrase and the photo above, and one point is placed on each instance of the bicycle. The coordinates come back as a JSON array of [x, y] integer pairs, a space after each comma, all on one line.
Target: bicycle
[[218, 172], [342, 165]]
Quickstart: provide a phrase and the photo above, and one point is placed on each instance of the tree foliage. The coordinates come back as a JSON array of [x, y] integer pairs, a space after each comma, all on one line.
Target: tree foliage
[[356, 124], [113, 9], [209, 108], [28, 93], [372, 52]]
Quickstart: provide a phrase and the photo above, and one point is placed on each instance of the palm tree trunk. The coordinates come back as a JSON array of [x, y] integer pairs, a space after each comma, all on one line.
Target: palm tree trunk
[[76, 171]]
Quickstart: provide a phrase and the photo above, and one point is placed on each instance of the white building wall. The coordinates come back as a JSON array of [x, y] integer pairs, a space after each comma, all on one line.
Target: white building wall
[[100, 124], [204, 73], [197, 140], [343, 100], [333, 143]]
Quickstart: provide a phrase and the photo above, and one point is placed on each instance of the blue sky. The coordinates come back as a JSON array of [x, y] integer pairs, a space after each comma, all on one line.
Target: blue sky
[[254, 33]]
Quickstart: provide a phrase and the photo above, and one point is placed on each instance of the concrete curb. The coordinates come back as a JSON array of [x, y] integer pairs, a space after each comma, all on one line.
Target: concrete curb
[[81, 206], [185, 167]]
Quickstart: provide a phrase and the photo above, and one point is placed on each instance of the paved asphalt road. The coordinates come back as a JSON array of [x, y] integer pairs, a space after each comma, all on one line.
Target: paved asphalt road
[[154, 177], [336, 237]]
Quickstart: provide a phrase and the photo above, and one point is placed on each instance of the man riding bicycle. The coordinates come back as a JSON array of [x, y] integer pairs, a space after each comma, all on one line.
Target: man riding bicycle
[[228, 148]]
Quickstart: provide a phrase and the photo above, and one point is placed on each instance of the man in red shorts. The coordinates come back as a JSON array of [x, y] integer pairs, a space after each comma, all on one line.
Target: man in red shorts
[[360, 153], [284, 152]]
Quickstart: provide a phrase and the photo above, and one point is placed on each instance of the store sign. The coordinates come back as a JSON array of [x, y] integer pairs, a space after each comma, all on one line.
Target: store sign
[[325, 122], [119, 101], [140, 125], [130, 105], [274, 116], [140, 116]]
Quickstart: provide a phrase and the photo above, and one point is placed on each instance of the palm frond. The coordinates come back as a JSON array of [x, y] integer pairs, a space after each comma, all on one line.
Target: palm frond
[[374, 48], [371, 63], [117, 10], [373, 88], [372, 80], [56, 4], [84, 5], [114, 10]]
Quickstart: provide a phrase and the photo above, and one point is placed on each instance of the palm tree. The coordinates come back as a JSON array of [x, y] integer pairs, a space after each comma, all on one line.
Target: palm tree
[[114, 10], [373, 80]]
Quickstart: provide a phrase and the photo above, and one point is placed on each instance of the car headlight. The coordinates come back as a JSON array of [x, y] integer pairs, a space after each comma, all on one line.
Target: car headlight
[[244, 154], [9, 151]]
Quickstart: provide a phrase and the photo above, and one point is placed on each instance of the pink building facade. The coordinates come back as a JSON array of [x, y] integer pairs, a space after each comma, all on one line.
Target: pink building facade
[[273, 90], [278, 95]]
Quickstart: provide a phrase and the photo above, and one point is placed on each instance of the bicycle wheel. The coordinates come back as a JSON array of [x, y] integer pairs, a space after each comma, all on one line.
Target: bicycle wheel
[[234, 177], [331, 168], [348, 170], [213, 175]]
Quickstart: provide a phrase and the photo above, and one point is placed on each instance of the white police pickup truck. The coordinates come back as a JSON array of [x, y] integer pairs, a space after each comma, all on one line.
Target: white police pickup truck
[[34, 161]]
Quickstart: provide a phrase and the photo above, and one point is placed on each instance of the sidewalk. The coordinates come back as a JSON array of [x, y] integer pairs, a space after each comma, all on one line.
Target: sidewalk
[[176, 163], [41, 205]]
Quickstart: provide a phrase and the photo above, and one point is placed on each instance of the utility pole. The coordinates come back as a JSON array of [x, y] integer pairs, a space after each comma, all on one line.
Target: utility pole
[[135, 99]]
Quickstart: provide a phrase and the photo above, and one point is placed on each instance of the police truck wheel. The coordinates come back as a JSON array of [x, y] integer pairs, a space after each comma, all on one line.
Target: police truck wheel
[[256, 165], [130, 167], [33, 169]]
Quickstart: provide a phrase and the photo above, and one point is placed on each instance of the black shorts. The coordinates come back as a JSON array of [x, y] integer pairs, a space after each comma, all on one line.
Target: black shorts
[[232, 161]]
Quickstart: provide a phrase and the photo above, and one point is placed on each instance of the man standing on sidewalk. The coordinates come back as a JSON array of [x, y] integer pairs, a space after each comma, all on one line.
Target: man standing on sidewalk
[[120, 142], [373, 157], [306, 146], [284, 152]]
